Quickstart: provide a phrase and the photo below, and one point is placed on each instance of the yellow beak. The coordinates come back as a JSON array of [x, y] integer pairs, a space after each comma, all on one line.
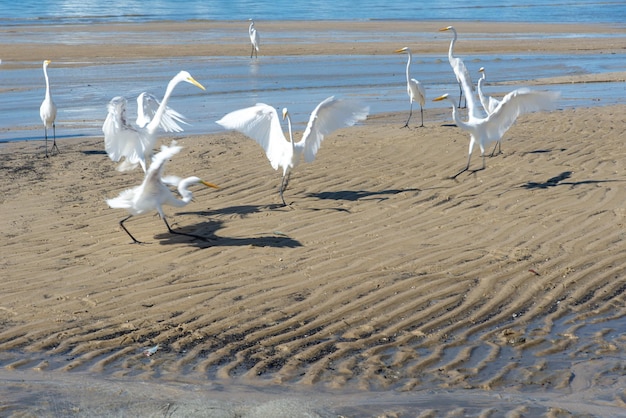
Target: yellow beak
[[209, 184], [195, 83], [438, 99]]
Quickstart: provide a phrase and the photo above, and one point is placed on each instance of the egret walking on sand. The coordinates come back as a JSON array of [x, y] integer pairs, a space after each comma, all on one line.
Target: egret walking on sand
[[414, 88], [484, 130], [48, 112], [261, 123], [255, 39], [458, 66], [153, 192], [135, 143]]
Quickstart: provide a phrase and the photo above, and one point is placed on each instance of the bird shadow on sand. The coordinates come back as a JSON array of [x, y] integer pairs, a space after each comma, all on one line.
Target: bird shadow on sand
[[204, 233], [560, 181], [239, 211], [354, 195]]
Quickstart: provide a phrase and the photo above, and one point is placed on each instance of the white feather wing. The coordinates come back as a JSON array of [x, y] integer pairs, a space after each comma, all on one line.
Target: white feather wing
[[116, 116], [330, 115], [261, 123], [147, 105], [120, 138], [514, 104]]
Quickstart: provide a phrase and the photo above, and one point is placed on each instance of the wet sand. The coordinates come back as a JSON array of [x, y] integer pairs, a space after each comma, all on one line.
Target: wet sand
[[384, 289]]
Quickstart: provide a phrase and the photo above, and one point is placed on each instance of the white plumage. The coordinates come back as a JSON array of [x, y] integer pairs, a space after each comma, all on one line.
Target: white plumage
[[135, 143], [414, 88], [458, 66], [489, 103], [485, 130], [153, 192], [48, 111], [147, 107], [255, 39], [261, 123]]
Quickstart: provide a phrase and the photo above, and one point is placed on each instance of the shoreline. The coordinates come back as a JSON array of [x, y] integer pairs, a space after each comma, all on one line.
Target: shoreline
[[232, 39]]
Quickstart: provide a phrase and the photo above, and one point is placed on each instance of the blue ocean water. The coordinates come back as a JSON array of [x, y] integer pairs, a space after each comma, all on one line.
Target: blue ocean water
[[84, 11], [82, 92]]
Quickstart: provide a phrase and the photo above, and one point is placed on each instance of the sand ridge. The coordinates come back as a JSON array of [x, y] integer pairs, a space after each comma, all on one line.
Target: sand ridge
[[382, 275]]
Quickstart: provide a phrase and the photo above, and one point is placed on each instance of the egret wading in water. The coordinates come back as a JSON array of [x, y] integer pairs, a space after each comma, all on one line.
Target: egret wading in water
[[458, 66], [489, 104], [48, 112], [485, 130], [414, 88], [261, 123], [153, 192], [136, 143], [255, 39]]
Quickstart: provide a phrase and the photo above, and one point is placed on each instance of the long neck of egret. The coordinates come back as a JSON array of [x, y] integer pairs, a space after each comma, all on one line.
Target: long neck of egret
[[408, 65], [481, 96], [45, 74], [455, 115], [293, 147], [452, 42], [156, 120]]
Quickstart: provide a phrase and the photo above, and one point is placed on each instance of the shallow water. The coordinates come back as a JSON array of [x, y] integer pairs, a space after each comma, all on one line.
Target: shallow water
[[299, 83]]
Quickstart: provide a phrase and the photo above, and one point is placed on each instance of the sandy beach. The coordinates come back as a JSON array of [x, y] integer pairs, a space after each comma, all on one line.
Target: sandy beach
[[383, 289]]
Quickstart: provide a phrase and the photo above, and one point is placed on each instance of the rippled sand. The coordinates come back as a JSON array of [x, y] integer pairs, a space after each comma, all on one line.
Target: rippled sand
[[385, 288]]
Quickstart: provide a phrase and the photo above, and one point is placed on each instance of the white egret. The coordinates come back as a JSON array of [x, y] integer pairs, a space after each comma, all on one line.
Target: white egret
[[153, 192], [458, 66], [484, 130], [48, 112], [414, 88], [255, 39], [489, 104], [135, 144], [261, 123]]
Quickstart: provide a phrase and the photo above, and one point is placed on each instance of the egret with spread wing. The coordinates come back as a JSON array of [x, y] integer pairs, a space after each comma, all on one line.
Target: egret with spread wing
[[485, 130], [414, 88], [48, 112], [135, 143], [261, 123], [458, 66], [255, 39], [153, 192]]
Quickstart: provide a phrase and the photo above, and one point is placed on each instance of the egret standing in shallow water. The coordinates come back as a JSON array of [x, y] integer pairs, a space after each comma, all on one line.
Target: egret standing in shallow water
[[458, 66], [414, 88], [491, 128], [48, 112], [135, 144], [261, 123], [255, 39], [153, 193]]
